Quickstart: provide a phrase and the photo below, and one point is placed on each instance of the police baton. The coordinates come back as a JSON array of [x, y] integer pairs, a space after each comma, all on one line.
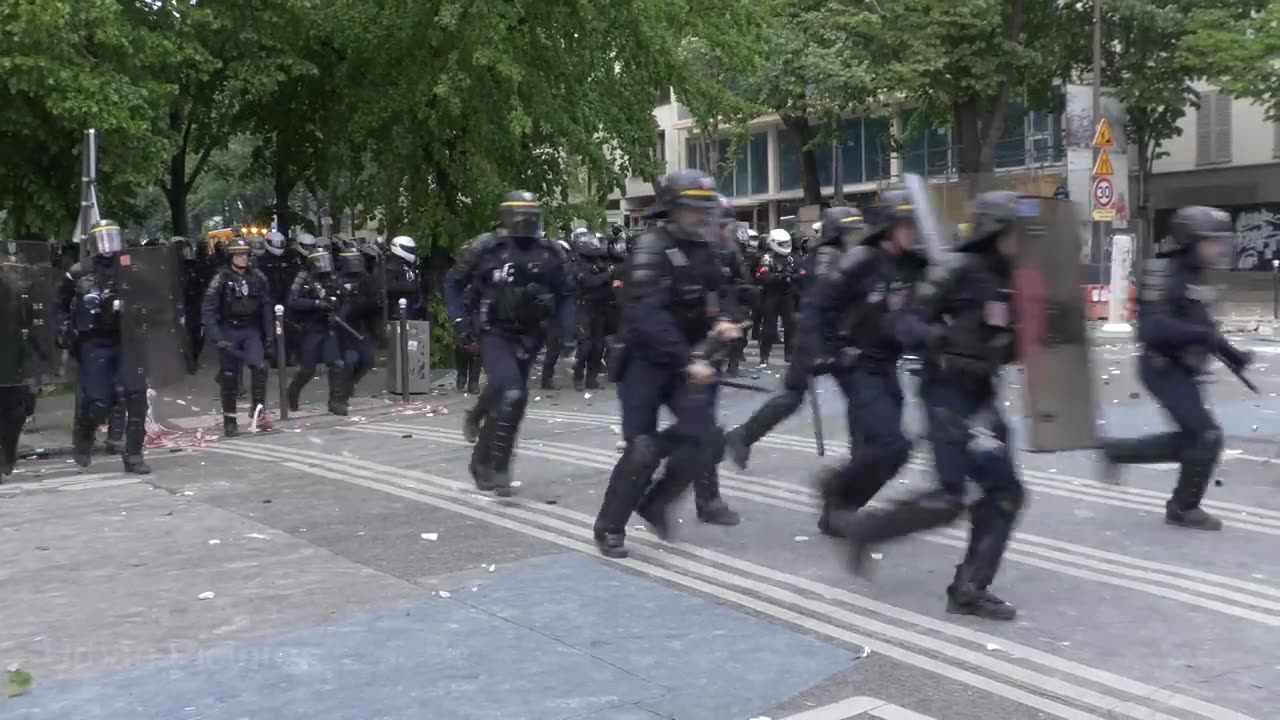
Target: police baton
[[280, 363], [343, 324], [403, 350], [817, 419], [738, 385]]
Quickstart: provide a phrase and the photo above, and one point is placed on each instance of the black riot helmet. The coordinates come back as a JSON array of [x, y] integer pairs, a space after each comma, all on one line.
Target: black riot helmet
[[894, 209], [350, 259], [688, 201], [1194, 223], [994, 214], [238, 247], [587, 244], [618, 247], [320, 262], [521, 215], [105, 238], [842, 225]]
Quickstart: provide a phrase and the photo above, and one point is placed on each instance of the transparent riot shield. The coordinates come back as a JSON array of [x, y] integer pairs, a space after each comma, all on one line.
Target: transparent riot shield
[[932, 229], [29, 350], [1061, 405], [153, 334]]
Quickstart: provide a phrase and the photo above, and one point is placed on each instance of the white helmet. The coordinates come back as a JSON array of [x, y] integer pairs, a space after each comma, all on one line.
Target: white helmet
[[817, 228], [403, 247], [780, 241]]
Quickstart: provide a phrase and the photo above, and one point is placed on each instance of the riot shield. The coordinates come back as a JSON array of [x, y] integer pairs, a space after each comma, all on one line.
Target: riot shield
[[29, 350], [1060, 404], [153, 336], [931, 227]]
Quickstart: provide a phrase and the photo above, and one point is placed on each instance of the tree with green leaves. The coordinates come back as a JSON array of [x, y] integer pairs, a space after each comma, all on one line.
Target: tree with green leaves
[[67, 66], [1239, 43]]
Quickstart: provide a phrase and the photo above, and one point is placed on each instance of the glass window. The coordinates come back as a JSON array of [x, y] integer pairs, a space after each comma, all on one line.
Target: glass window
[[758, 157], [788, 161], [691, 155], [724, 168], [876, 134], [915, 146], [851, 154], [742, 170], [664, 97]]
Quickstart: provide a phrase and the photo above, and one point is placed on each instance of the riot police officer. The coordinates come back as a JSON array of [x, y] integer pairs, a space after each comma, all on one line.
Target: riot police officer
[[593, 281], [28, 337], [237, 316], [842, 230], [356, 307], [963, 320], [401, 267], [556, 341], [777, 275], [524, 286], [312, 300], [466, 341], [1179, 336], [95, 324], [280, 268], [673, 308], [860, 297]]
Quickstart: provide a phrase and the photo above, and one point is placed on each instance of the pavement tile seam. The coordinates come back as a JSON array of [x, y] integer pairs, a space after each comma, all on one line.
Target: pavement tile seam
[[1073, 693]]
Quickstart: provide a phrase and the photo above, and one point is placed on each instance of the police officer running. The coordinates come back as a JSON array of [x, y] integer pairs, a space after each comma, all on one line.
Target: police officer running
[[671, 311], [963, 319], [95, 323], [1179, 335], [356, 314], [524, 287], [237, 315], [842, 229]]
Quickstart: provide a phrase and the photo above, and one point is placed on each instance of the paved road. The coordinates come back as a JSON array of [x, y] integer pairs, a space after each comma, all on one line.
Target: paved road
[[356, 573]]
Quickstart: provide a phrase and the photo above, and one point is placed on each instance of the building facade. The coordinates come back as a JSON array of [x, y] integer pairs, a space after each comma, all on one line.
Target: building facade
[[762, 175], [1228, 155]]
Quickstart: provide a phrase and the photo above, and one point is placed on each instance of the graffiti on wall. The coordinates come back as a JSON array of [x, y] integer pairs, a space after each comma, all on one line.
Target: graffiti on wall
[[1257, 234]]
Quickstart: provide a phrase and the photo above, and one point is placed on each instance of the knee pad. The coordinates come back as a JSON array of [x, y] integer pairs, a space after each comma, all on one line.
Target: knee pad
[[96, 411], [646, 451], [1205, 446], [1003, 502], [512, 399], [135, 402]]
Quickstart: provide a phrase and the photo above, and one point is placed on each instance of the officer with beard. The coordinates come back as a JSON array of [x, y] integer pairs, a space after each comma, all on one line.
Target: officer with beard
[[312, 300], [237, 315], [675, 305], [524, 285], [593, 280], [93, 336], [843, 229], [963, 321], [1178, 335], [777, 274]]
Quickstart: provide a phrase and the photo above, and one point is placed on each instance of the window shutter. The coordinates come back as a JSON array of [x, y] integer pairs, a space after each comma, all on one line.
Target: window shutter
[[1222, 128], [1276, 141], [1204, 129]]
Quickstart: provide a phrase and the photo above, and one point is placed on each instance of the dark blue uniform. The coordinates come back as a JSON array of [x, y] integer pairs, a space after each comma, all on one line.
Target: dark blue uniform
[[95, 321], [466, 341], [593, 281], [778, 274], [357, 305], [1179, 337], [523, 289], [312, 300], [963, 318], [673, 299], [238, 318]]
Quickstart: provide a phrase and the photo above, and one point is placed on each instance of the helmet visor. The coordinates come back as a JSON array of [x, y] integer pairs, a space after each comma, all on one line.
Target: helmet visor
[[105, 240]]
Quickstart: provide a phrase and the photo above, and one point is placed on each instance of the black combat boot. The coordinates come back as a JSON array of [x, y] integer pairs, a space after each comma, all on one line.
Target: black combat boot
[[1137, 451], [965, 597], [593, 383], [82, 441], [115, 428], [548, 381], [578, 383], [718, 512], [1198, 462], [229, 427], [611, 544]]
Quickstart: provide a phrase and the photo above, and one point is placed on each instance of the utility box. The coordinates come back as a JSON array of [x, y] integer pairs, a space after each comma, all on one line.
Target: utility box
[[418, 339]]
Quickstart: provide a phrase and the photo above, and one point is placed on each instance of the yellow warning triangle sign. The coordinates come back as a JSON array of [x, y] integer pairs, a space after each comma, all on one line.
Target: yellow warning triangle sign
[[1102, 138], [1103, 168]]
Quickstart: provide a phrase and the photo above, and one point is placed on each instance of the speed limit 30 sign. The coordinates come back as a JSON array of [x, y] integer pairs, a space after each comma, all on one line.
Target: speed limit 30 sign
[[1104, 193]]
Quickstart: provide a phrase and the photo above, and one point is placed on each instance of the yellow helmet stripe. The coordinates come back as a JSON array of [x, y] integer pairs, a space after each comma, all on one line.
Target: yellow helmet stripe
[[519, 203]]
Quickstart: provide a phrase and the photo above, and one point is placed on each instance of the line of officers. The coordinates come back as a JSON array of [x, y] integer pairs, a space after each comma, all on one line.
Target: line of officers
[[337, 295], [874, 293]]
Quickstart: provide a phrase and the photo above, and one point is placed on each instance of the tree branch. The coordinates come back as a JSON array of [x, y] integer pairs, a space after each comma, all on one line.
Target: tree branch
[[199, 168]]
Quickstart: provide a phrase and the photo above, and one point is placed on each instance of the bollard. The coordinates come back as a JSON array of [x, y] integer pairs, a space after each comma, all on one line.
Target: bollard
[[281, 362], [404, 350], [1275, 289]]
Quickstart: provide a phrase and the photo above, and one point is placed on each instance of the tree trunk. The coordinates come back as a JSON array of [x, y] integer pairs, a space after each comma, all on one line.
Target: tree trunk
[[802, 132], [282, 185], [176, 193]]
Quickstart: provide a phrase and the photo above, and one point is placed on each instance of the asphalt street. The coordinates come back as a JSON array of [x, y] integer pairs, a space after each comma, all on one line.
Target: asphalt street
[[348, 568]]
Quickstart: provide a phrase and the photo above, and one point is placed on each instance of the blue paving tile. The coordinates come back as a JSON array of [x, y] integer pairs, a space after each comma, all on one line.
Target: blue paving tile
[[566, 638]]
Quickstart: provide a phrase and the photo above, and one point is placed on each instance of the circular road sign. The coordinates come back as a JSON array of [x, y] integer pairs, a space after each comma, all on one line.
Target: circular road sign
[[1104, 193]]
